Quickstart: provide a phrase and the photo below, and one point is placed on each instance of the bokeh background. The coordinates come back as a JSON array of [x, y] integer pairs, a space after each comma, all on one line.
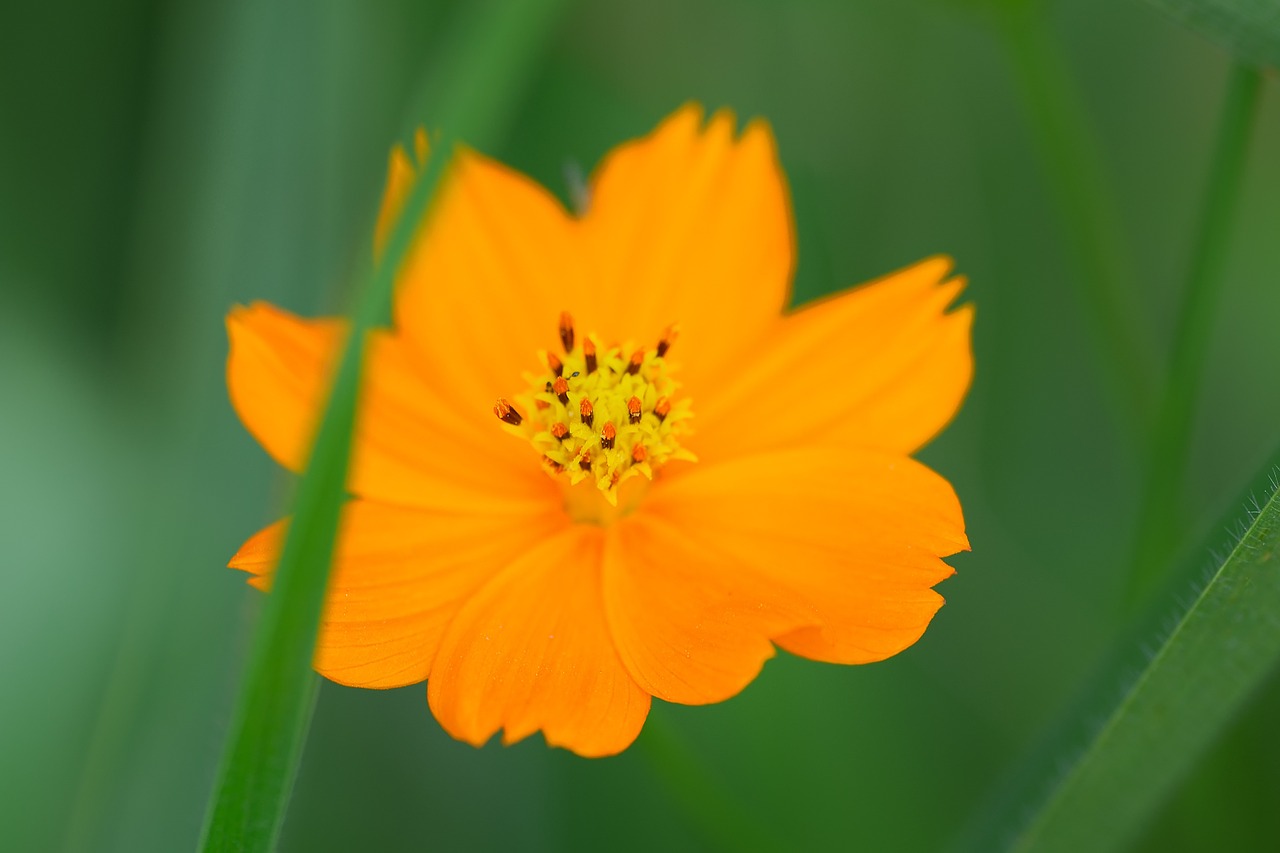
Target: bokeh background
[[161, 160]]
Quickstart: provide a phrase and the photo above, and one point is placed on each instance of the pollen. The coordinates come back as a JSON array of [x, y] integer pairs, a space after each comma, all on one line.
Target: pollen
[[599, 415]]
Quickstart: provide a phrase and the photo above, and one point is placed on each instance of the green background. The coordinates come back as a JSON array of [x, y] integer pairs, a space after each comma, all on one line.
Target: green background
[[161, 160]]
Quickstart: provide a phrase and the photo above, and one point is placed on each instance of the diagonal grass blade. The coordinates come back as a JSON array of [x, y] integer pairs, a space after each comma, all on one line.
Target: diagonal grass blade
[[1191, 683], [278, 691]]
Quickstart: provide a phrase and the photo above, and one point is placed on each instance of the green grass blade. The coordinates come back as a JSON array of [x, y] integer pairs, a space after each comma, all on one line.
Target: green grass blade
[[1249, 28], [278, 689], [1189, 687], [278, 692]]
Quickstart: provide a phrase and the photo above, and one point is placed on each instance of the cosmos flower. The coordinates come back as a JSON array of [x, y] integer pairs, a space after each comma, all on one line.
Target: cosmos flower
[[598, 459]]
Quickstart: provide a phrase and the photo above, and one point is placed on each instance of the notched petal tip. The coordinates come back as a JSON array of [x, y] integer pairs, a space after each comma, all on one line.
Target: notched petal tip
[[686, 119], [402, 171], [240, 317], [421, 147], [259, 553], [940, 268]]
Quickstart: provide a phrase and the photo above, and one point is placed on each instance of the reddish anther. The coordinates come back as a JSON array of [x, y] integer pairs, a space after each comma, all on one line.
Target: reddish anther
[[639, 454], [633, 410], [554, 362], [587, 411], [561, 389], [589, 353], [637, 359], [506, 412], [669, 336], [566, 331], [559, 431], [662, 408], [607, 435]]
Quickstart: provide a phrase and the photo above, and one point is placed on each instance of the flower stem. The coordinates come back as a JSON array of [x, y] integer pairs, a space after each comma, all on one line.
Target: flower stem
[[1072, 165], [1161, 522]]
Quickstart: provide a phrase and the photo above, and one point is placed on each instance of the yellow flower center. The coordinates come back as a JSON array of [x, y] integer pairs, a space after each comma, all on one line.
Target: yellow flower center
[[601, 415]]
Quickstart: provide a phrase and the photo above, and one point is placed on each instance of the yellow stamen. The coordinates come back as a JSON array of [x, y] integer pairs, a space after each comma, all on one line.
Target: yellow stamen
[[630, 397]]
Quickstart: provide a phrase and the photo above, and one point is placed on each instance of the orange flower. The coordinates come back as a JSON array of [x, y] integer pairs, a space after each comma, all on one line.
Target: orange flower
[[553, 567]]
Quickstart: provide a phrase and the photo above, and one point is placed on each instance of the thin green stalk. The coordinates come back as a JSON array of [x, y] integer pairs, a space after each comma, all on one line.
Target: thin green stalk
[[1161, 521], [1188, 686], [1077, 180], [279, 686], [270, 723]]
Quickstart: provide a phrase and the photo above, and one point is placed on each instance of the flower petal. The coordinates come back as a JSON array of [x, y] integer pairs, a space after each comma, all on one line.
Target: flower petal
[[482, 290], [399, 576], [401, 172], [830, 553], [881, 366], [690, 226], [411, 447], [278, 370], [531, 651], [689, 625]]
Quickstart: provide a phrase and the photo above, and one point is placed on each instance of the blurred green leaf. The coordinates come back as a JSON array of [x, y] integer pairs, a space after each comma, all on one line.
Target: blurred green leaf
[[1160, 523], [1249, 28], [278, 694], [279, 689], [1083, 192], [723, 822], [1192, 683]]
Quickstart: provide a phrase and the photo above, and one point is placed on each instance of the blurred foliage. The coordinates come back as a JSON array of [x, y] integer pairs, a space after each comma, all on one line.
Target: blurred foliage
[[162, 159], [1249, 28]]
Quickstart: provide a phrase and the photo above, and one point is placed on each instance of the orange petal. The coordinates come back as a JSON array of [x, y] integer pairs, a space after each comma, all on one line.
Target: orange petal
[[411, 447], [882, 366], [829, 552], [400, 174], [690, 627], [482, 290], [691, 226], [278, 374], [531, 651], [399, 576]]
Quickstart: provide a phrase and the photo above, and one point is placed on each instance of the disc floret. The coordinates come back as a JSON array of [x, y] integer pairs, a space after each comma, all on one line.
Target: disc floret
[[601, 415]]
